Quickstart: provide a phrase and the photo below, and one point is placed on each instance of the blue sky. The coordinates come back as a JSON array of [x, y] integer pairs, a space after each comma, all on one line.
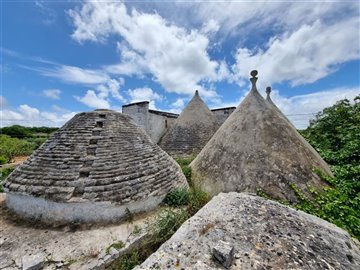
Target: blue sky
[[63, 57]]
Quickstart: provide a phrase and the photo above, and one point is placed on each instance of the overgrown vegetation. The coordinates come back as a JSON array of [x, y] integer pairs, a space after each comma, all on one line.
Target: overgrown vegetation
[[21, 141], [335, 134], [183, 203], [3, 174], [184, 164], [12, 147]]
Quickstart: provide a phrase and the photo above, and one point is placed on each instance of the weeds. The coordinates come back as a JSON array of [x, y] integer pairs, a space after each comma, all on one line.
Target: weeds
[[117, 245]]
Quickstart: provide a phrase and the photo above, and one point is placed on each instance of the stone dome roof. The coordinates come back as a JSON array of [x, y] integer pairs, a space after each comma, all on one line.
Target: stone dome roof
[[97, 158], [191, 131], [257, 148]]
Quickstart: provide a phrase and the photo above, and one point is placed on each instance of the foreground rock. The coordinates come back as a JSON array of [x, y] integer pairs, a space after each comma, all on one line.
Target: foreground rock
[[264, 234]]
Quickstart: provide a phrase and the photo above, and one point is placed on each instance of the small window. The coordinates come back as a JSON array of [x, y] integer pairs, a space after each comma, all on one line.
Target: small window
[[166, 123]]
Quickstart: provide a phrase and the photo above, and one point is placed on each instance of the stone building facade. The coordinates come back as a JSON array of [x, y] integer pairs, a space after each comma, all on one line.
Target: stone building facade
[[156, 123]]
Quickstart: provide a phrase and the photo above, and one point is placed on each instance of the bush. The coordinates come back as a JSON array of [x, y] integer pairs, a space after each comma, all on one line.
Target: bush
[[197, 199], [177, 197], [184, 164], [12, 147], [3, 174], [335, 134], [160, 229], [166, 224], [3, 160], [17, 131]]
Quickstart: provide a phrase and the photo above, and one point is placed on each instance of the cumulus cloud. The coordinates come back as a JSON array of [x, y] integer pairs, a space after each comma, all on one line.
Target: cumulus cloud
[[94, 100], [304, 56], [30, 116], [52, 93], [100, 96], [144, 94], [176, 57]]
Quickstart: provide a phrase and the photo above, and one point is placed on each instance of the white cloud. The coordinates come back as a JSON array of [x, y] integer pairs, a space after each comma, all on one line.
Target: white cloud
[[111, 87], [304, 56], [26, 115], [143, 94], [52, 93], [301, 108], [242, 19], [179, 103], [29, 112], [71, 74], [211, 26], [94, 100], [177, 58]]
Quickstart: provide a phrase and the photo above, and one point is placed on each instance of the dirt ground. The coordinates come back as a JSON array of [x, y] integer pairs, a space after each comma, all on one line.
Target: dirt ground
[[71, 247]]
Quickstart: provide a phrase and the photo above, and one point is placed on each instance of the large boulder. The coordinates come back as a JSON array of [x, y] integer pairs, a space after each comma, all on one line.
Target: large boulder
[[254, 233]]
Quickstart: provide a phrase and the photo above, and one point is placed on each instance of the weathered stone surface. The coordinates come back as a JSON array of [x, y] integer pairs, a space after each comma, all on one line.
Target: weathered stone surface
[[191, 131], [83, 248], [264, 233], [33, 262], [257, 148], [223, 252], [99, 162]]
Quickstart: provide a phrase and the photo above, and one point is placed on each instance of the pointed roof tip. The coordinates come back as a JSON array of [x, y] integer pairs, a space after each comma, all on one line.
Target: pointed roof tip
[[268, 91], [253, 79]]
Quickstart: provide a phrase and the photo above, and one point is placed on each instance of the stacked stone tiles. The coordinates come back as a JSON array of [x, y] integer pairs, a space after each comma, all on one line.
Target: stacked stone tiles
[[258, 149], [100, 156], [191, 131]]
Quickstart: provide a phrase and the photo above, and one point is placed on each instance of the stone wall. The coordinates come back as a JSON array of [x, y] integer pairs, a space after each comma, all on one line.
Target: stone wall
[[222, 114], [155, 123], [158, 123]]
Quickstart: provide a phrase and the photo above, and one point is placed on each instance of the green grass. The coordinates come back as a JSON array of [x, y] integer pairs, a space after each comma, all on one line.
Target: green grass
[[117, 245], [183, 204]]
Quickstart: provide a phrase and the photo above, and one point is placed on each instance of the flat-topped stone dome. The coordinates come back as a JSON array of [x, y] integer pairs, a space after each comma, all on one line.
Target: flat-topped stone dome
[[96, 168]]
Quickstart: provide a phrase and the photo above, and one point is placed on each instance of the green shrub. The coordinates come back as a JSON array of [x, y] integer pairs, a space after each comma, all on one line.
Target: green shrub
[[335, 134], [12, 147], [3, 174], [160, 229], [129, 261], [197, 199], [166, 224], [3, 160], [184, 164], [177, 197]]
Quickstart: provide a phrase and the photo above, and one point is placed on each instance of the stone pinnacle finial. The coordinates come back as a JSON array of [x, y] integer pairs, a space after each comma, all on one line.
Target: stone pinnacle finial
[[253, 79], [196, 92], [268, 91]]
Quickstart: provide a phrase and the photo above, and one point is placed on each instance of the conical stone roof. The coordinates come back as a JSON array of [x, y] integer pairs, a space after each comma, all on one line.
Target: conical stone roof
[[99, 166], [191, 131], [256, 148]]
